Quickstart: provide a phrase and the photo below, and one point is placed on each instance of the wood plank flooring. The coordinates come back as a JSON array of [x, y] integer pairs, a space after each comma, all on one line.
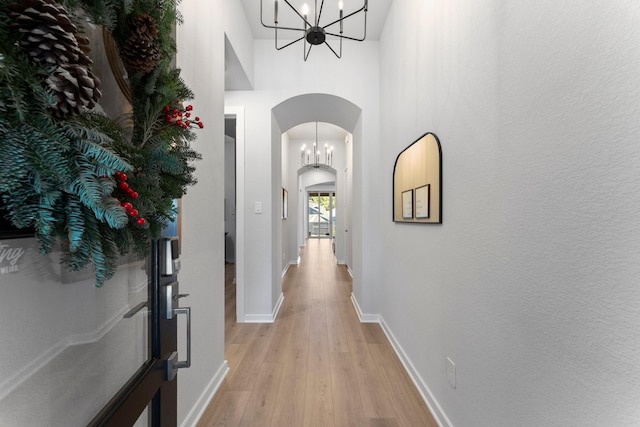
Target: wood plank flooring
[[316, 365]]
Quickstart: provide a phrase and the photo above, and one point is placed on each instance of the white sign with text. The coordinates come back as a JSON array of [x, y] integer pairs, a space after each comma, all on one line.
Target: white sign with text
[[10, 258]]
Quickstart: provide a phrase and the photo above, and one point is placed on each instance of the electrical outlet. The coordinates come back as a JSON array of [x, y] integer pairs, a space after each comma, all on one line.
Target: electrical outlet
[[451, 372]]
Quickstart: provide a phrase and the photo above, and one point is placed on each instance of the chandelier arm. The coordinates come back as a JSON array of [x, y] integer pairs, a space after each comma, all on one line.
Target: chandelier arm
[[347, 37], [364, 36], [272, 27], [306, 54], [334, 52], [348, 16], [275, 27], [288, 44], [319, 14]]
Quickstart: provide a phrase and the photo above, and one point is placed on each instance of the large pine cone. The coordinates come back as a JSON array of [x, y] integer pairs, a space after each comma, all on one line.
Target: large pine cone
[[49, 35], [139, 51], [74, 88]]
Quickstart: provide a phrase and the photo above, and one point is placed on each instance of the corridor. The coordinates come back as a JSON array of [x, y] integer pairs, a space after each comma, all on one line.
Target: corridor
[[317, 365]]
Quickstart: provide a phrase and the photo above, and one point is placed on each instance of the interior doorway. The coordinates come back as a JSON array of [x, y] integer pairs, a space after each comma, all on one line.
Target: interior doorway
[[234, 218]]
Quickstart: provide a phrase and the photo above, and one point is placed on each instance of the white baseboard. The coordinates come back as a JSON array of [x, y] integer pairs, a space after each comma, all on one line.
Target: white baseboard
[[265, 318], [200, 406], [423, 389], [425, 392], [276, 309], [364, 318], [286, 269]]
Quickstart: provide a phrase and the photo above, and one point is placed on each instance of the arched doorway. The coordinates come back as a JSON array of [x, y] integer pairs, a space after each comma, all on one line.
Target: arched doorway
[[315, 107], [255, 286]]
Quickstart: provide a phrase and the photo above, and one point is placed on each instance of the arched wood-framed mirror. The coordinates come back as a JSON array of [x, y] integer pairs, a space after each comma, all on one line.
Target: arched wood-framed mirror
[[417, 182]]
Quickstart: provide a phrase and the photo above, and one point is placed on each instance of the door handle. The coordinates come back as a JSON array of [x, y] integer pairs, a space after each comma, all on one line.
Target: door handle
[[186, 363], [172, 364]]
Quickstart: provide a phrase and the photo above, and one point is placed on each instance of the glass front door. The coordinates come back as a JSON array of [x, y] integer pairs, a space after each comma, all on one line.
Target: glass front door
[[71, 350], [321, 214]]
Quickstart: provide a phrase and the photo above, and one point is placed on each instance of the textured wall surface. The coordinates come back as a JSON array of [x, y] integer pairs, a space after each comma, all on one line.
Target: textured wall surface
[[201, 56], [531, 283]]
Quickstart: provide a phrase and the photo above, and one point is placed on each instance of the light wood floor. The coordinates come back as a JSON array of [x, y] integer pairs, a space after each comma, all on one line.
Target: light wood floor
[[317, 365]]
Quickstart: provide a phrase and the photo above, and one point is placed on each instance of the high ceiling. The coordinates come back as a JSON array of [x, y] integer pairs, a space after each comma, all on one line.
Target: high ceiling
[[376, 16], [353, 26]]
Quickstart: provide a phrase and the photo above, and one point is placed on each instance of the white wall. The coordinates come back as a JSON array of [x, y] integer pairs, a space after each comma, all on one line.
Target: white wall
[[201, 57], [278, 77], [237, 30], [531, 283]]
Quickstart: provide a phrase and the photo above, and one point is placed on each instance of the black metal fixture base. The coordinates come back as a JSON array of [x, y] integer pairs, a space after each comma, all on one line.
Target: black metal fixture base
[[316, 36]]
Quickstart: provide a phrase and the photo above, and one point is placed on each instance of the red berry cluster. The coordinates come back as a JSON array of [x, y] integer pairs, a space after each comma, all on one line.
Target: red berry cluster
[[180, 116], [131, 194]]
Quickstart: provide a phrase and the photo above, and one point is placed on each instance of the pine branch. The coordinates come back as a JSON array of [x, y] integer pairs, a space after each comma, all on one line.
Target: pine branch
[[100, 12], [75, 224], [57, 176]]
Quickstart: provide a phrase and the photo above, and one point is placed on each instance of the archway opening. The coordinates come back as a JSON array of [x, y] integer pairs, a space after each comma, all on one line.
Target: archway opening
[[288, 234]]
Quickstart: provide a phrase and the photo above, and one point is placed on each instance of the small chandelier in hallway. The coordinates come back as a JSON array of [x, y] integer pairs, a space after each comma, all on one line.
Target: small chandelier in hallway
[[311, 31], [311, 159]]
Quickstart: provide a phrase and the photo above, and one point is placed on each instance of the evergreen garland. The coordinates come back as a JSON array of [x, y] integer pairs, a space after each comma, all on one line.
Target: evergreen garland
[[73, 179]]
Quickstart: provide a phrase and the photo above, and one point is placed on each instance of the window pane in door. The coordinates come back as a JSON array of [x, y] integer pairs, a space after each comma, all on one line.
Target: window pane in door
[[321, 214], [314, 215], [324, 220], [68, 346]]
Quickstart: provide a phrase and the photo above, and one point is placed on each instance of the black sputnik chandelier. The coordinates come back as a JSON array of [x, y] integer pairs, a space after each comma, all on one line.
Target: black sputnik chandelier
[[311, 31]]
